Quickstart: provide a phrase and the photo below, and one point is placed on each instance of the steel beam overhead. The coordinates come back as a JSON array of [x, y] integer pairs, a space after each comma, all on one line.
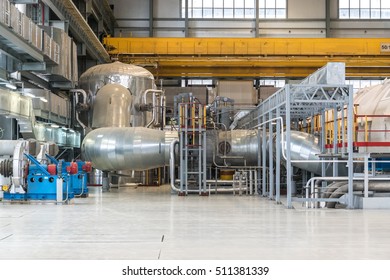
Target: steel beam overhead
[[251, 57]]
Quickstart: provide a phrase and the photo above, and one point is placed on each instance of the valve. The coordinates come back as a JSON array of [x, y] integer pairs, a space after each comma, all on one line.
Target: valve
[[72, 168], [5, 188], [87, 167]]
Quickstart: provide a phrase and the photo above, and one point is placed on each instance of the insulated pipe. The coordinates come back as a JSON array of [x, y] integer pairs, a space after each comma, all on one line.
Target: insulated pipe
[[154, 104], [124, 148], [358, 186], [172, 164], [140, 148], [331, 188], [76, 96], [154, 101]]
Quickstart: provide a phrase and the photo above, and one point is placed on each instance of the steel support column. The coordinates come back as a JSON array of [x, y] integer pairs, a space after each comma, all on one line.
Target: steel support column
[[277, 155], [257, 21], [264, 156], [186, 23], [327, 18], [270, 157], [288, 147], [151, 20], [335, 140], [350, 147]]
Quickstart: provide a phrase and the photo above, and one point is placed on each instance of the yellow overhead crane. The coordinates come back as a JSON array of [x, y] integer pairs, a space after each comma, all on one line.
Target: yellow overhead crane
[[252, 57]]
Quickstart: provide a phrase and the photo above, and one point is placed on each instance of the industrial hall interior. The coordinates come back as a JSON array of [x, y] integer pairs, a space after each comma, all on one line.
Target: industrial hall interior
[[194, 129]]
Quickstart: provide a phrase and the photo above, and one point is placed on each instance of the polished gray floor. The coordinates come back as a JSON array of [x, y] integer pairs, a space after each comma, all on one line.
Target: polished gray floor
[[150, 223]]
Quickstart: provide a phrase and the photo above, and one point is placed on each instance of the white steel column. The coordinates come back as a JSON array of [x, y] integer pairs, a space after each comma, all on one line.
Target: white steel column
[[288, 148], [270, 157], [277, 155]]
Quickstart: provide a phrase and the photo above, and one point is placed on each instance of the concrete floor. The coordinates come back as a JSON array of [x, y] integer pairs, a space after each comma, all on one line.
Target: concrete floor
[[150, 223]]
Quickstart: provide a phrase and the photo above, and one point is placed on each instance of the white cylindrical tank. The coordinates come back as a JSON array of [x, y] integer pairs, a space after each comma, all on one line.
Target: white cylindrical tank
[[112, 107], [136, 79], [124, 148]]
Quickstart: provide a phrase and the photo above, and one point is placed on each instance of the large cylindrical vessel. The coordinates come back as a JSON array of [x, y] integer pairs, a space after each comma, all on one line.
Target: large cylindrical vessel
[[136, 79], [112, 107], [238, 148], [123, 148], [373, 107]]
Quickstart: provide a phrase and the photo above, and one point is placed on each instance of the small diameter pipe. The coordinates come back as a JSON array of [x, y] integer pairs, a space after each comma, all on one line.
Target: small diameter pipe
[[154, 102], [82, 187], [312, 180], [172, 164], [76, 96], [172, 171]]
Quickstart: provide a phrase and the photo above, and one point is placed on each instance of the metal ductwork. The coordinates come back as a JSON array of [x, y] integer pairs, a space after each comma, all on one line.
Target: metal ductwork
[[19, 107]]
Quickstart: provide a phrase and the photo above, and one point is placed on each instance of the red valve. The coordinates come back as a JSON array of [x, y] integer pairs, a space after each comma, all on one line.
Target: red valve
[[87, 167], [52, 169], [72, 168]]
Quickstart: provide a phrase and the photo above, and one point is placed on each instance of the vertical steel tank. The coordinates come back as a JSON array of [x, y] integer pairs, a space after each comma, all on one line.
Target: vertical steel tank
[[136, 79]]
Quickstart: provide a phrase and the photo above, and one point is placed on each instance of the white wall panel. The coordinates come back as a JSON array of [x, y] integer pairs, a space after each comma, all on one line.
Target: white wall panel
[[169, 24], [169, 34], [167, 8], [309, 9], [130, 9], [133, 23]]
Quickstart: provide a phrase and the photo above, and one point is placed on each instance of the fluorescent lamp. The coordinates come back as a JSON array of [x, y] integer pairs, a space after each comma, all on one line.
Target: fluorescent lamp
[[29, 95], [43, 99], [10, 86]]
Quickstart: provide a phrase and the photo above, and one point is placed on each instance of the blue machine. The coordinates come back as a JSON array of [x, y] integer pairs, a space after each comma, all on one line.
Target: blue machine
[[41, 185], [78, 181], [59, 181]]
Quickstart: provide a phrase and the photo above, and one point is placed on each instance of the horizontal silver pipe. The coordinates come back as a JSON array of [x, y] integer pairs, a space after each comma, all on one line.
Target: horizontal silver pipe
[[140, 148], [124, 148]]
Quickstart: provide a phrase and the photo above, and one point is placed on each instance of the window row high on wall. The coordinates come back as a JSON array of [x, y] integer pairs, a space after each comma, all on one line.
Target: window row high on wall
[[277, 9], [234, 9]]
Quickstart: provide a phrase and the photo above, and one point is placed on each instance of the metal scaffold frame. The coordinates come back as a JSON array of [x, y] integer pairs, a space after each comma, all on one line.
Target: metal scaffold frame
[[192, 145], [322, 91]]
